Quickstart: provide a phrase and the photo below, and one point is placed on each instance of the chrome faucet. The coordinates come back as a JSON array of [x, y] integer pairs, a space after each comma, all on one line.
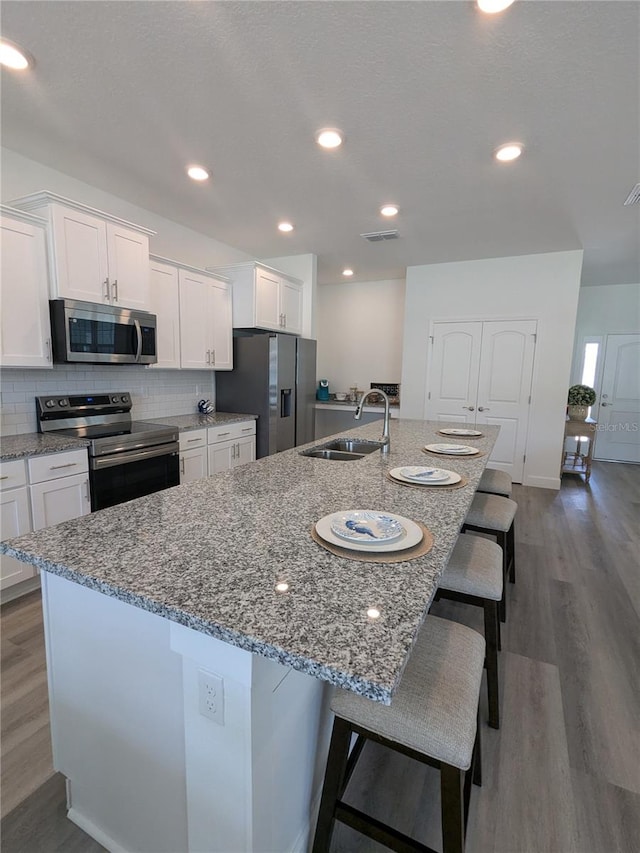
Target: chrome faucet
[[386, 441]]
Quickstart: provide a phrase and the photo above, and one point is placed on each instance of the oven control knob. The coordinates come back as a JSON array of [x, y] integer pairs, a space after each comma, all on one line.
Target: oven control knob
[[63, 403], [50, 404], [124, 398], [115, 399]]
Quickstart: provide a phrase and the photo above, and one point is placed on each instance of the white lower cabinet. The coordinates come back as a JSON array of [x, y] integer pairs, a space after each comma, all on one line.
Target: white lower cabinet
[[231, 445], [60, 500], [15, 519], [193, 455]]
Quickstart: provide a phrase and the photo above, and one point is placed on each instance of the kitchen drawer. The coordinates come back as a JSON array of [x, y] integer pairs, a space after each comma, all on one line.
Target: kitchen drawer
[[228, 432], [43, 468], [13, 474], [192, 438]]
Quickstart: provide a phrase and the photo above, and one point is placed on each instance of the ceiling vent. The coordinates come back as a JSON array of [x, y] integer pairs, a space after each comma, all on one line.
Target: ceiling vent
[[632, 198], [377, 236]]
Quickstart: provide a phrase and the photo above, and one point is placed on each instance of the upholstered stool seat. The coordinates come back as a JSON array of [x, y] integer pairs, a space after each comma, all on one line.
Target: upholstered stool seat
[[495, 516], [432, 718], [496, 482], [474, 576]]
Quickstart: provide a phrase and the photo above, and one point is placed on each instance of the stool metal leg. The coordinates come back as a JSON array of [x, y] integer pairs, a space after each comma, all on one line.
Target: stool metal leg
[[491, 629], [333, 784], [452, 807], [511, 547]]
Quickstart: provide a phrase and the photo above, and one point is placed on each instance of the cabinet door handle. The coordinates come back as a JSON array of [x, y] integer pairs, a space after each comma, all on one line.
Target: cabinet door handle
[[66, 465], [182, 464], [233, 451], [213, 356], [483, 409], [4, 477], [469, 408], [284, 320], [86, 492], [115, 289], [47, 344], [208, 356], [106, 290]]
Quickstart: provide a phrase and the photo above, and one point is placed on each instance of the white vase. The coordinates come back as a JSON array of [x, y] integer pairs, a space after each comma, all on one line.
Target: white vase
[[578, 413]]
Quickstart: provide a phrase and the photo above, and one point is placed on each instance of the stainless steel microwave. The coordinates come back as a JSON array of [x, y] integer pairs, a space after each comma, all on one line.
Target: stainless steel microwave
[[101, 334]]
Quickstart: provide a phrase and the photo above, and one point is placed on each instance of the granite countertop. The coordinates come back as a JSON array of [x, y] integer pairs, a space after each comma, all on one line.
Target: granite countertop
[[197, 421], [208, 554], [36, 444]]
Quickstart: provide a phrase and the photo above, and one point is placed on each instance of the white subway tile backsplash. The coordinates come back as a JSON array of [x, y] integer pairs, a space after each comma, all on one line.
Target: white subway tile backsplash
[[154, 393]]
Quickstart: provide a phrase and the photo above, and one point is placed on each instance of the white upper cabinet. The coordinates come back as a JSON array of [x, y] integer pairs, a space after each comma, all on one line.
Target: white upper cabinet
[[95, 257], [164, 302], [264, 298], [206, 336], [24, 291]]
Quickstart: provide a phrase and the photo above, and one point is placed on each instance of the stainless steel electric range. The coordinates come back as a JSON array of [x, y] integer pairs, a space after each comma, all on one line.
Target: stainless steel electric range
[[127, 459]]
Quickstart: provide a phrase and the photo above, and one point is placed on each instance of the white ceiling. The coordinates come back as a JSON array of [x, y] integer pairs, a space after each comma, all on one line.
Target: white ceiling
[[124, 94]]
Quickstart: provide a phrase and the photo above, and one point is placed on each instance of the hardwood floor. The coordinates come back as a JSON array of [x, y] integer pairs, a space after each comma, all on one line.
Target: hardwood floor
[[562, 775]]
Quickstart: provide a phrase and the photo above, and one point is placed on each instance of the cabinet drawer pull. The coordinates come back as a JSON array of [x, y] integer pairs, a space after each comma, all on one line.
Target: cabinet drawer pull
[[4, 477], [191, 440], [66, 465], [248, 429], [220, 434]]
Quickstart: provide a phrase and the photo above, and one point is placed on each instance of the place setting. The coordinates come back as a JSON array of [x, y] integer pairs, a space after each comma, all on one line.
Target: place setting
[[461, 432], [421, 477], [371, 536], [452, 450]]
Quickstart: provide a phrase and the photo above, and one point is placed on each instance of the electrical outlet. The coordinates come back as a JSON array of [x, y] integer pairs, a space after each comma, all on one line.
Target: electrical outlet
[[211, 696]]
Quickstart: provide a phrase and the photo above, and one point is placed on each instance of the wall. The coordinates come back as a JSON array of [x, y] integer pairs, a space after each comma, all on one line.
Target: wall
[[154, 393], [543, 287], [604, 311], [360, 333]]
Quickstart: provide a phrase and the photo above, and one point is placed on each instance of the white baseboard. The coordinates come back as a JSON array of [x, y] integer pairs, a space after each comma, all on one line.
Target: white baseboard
[[95, 832], [18, 589], [542, 482], [303, 842]]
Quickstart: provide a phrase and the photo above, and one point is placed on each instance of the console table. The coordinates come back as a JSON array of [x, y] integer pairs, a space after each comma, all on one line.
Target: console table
[[577, 462]]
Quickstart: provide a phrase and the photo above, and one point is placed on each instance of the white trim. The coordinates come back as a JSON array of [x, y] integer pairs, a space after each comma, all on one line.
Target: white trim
[[23, 216], [542, 482], [303, 842], [95, 832], [252, 265], [179, 265], [35, 201]]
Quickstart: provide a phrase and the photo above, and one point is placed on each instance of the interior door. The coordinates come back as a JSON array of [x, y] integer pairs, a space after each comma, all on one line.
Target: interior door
[[504, 388], [617, 436], [453, 376]]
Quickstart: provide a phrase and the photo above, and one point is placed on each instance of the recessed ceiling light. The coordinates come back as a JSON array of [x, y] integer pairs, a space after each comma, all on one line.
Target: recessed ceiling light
[[509, 151], [283, 586], [329, 137], [347, 272], [389, 210], [491, 7], [285, 226], [373, 613], [15, 57], [197, 173]]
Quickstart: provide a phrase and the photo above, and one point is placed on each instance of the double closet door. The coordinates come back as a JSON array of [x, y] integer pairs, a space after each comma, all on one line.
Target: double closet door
[[480, 373]]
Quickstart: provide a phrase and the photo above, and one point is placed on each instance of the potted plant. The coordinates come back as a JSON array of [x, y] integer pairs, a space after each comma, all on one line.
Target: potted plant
[[578, 401]]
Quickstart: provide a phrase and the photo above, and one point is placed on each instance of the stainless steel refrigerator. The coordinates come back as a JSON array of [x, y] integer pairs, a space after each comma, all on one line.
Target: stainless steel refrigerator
[[274, 377]]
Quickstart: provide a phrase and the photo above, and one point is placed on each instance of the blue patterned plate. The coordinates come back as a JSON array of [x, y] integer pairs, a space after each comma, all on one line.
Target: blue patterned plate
[[424, 475], [366, 526]]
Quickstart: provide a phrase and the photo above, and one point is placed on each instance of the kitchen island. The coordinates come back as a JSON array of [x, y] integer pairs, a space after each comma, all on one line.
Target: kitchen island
[[191, 634]]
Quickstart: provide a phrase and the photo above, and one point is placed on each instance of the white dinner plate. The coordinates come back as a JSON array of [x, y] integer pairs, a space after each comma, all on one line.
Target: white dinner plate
[[366, 526], [453, 449], [411, 536], [449, 480], [456, 431], [422, 474]]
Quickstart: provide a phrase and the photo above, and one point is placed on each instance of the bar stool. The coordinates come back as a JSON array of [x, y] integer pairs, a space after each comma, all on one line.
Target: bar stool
[[474, 576], [495, 482], [432, 718], [495, 516]]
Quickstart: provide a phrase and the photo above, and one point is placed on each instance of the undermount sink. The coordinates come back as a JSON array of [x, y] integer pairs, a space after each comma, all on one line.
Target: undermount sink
[[343, 449], [354, 445]]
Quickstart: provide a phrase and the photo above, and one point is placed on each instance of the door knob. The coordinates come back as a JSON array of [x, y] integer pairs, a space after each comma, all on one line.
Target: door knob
[[469, 408], [604, 404], [483, 409]]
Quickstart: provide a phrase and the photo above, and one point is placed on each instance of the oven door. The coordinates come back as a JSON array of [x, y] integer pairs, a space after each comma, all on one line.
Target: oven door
[[125, 476]]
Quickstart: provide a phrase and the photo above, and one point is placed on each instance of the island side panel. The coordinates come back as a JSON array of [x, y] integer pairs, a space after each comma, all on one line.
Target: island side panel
[[253, 778], [116, 713]]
